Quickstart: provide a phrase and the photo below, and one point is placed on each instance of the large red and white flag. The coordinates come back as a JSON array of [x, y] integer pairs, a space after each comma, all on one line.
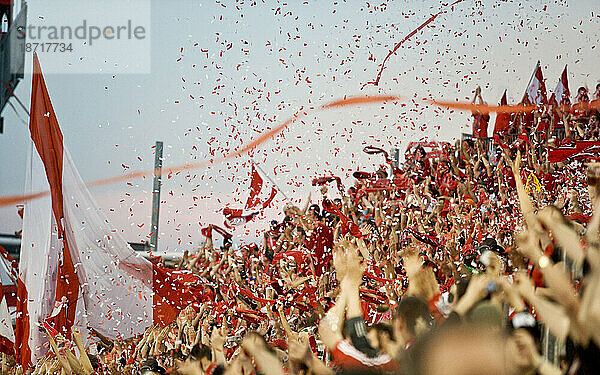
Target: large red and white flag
[[536, 91], [71, 254], [561, 94]]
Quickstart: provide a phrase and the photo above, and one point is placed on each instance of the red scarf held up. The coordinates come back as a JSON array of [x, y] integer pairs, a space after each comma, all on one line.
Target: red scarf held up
[[372, 150], [347, 224], [320, 181], [581, 150], [207, 232]]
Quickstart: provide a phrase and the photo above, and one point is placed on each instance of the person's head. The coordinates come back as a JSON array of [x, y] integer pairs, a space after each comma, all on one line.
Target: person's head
[[151, 367], [412, 317], [299, 236], [520, 349], [227, 243], [582, 95], [420, 152], [379, 334], [459, 288], [487, 316], [458, 350], [597, 92], [314, 211], [202, 355], [382, 173], [290, 210]]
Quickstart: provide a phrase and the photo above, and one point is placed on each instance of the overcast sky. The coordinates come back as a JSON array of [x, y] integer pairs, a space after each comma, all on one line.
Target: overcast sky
[[222, 72]]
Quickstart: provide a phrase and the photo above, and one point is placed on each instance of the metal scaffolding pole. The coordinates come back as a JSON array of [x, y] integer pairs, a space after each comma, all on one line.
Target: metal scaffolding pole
[[158, 157]]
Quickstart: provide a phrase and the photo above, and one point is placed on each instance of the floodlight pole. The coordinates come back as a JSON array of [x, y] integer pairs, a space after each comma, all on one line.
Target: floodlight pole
[[158, 157]]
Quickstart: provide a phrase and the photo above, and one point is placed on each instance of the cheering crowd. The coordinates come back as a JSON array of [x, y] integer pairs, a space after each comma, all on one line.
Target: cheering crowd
[[450, 263]]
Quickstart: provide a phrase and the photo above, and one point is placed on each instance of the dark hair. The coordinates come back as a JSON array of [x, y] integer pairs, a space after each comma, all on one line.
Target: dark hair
[[219, 370], [384, 328], [200, 351], [420, 150], [301, 231], [151, 365], [461, 287], [410, 309]]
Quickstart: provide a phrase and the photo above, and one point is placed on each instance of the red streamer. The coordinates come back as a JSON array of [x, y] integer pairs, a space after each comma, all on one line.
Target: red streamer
[[393, 51], [264, 137]]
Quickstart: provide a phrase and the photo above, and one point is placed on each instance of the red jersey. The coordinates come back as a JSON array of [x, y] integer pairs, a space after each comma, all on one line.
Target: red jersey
[[347, 357]]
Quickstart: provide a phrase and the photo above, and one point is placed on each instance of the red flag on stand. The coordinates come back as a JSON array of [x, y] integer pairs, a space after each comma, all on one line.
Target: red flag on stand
[[534, 94], [502, 119], [561, 94], [536, 91]]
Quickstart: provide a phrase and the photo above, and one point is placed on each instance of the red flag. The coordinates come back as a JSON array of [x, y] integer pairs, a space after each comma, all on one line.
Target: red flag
[[502, 119], [347, 224], [534, 94], [51, 331], [561, 94], [536, 91], [582, 150], [320, 181], [207, 232], [359, 175], [121, 292], [255, 187], [235, 217], [226, 235]]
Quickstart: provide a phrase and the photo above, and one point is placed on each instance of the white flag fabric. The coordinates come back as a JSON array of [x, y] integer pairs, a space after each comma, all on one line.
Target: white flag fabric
[[561, 94], [536, 91], [7, 335]]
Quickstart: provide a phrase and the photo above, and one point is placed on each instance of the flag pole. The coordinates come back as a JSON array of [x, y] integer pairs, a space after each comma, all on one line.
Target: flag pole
[[271, 180]]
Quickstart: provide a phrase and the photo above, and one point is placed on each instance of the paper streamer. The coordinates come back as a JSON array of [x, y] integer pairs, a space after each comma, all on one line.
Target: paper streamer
[[393, 51], [269, 134]]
